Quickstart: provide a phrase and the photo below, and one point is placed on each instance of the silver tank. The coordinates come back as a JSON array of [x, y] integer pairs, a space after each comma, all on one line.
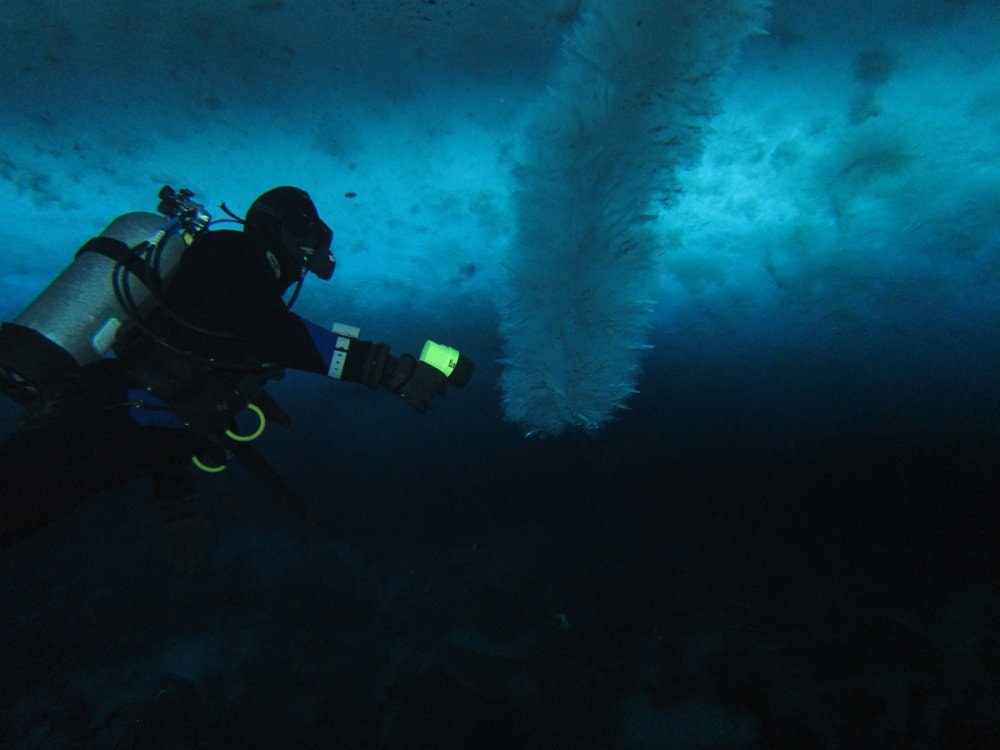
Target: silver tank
[[78, 311]]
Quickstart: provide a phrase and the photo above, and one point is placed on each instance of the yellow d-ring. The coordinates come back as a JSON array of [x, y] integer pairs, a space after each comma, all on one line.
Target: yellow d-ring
[[205, 467], [253, 435]]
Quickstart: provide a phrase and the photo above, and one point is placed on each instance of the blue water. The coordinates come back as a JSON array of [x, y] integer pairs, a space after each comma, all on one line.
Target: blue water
[[734, 267]]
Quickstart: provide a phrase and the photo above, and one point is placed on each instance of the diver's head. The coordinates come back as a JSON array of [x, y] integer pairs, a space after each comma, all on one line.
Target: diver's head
[[284, 222]]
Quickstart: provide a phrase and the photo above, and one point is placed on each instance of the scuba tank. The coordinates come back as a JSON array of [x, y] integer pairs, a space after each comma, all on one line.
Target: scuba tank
[[77, 318]]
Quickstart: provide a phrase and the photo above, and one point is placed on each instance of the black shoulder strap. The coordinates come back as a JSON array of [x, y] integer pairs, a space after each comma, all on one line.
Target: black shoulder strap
[[128, 257]]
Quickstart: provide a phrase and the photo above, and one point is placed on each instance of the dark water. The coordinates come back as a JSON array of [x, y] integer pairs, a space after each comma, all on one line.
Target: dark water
[[750, 585]]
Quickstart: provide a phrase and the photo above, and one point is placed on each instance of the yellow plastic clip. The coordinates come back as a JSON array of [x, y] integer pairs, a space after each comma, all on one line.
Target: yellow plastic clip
[[256, 433], [205, 467]]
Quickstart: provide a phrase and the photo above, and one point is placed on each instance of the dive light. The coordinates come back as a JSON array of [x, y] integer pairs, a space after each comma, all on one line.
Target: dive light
[[455, 366]]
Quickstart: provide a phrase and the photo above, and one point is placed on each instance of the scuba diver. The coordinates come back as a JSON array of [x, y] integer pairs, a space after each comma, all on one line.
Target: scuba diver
[[138, 358]]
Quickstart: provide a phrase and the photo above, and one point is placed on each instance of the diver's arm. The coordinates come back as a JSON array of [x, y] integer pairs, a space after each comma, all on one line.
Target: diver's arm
[[355, 360], [293, 342], [343, 355], [346, 356]]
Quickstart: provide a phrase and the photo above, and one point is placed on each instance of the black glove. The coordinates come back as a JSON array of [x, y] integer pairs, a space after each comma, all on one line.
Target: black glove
[[374, 370], [417, 382]]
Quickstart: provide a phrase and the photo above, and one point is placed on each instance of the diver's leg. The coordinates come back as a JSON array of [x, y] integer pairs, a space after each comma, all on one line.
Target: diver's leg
[[72, 442], [40, 482], [186, 529]]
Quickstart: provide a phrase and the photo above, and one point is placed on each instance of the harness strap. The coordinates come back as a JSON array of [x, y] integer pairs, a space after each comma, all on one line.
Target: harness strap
[[121, 253], [273, 482]]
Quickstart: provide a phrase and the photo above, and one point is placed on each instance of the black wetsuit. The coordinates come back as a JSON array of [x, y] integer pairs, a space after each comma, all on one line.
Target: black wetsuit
[[81, 438]]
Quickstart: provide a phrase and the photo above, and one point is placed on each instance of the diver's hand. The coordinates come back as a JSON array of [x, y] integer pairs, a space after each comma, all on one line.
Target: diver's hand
[[425, 383], [417, 382]]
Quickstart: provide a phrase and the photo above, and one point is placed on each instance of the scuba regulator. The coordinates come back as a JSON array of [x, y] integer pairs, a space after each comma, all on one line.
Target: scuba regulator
[[178, 205]]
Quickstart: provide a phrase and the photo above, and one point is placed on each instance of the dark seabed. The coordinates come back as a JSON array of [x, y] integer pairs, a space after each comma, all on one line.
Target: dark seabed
[[468, 588]]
